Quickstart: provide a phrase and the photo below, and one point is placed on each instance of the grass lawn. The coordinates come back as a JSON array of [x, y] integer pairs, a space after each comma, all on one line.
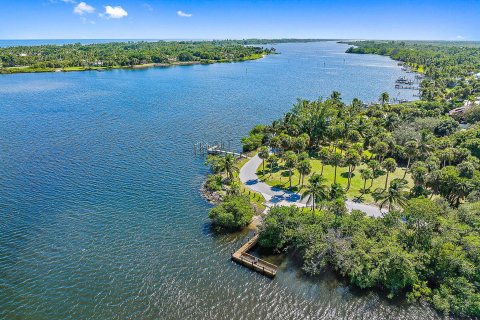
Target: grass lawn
[[279, 178]]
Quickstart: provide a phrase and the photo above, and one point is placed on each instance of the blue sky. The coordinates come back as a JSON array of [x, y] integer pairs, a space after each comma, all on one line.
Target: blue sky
[[213, 19]]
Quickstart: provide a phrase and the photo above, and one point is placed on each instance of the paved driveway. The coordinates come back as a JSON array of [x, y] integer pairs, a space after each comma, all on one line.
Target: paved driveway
[[275, 196]]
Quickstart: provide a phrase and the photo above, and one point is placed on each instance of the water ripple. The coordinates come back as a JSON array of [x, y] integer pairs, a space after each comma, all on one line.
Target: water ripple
[[100, 214]]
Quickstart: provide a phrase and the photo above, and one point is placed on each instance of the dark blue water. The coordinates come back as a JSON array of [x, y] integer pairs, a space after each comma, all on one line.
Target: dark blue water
[[100, 213]]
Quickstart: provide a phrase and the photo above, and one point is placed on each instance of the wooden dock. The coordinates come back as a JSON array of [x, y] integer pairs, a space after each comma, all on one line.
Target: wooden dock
[[242, 257], [217, 150]]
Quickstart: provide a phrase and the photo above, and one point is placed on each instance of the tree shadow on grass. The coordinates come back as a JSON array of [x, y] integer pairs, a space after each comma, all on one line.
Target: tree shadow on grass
[[285, 174], [345, 175]]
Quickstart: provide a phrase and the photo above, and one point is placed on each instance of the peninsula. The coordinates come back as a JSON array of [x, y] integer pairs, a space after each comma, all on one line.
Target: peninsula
[[103, 56], [323, 166]]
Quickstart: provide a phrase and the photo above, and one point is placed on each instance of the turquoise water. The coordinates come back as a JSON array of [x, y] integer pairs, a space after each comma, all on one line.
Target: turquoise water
[[100, 211]]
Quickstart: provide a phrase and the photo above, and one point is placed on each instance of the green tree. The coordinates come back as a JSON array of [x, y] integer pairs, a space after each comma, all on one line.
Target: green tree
[[389, 165], [234, 213], [273, 162], [304, 168], [337, 192], [375, 166], [324, 156], [395, 195], [366, 175], [380, 149], [352, 159], [411, 148], [384, 98], [316, 190], [336, 160], [263, 154], [290, 162], [279, 227], [229, 166]]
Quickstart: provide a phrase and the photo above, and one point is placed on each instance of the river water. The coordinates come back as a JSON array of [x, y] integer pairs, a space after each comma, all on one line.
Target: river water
[[100, 211]]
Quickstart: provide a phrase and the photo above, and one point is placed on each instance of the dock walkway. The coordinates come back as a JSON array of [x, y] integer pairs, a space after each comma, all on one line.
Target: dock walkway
[[217, 150], [242, 257]]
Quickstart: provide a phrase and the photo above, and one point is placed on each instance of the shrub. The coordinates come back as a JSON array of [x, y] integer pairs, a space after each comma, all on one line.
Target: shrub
[[214, 182], [234, 213]]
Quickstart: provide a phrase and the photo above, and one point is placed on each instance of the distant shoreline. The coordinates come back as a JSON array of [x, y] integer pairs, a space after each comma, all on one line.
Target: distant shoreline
[[126, 55], [15, 70]]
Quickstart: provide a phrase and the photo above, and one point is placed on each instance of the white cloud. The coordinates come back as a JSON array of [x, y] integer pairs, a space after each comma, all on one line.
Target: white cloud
[[64, 1], [85, 21], [83, 8], [184, 14], [115, 12], [147, 6], [460, 37]]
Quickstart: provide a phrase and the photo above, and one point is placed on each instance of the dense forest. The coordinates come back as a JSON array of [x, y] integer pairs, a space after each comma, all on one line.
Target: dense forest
[[417, 162], [450, 67], [427, 245], [124, 54]]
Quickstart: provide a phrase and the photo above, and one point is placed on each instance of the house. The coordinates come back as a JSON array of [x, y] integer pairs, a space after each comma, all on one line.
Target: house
[[466, 105]]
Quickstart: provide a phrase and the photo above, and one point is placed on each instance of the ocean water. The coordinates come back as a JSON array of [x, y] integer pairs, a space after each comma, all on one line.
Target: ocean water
[[100, 211]]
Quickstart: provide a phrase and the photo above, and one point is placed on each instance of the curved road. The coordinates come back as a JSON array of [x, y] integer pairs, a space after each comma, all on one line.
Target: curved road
[[276, 196]]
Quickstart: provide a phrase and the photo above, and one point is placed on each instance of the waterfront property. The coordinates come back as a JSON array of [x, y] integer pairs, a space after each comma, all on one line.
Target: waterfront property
[[101, 214]]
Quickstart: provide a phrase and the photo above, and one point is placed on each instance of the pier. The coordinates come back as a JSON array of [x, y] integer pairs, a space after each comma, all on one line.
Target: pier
[[218, 150], [242, 257], [398, 86]]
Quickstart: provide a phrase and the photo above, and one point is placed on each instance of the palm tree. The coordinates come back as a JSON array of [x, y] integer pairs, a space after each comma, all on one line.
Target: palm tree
[[337, 192], [234, 189], [300, 143], [390, 165], [263, 154], [285, 141], [352, 159], [396, 194], [411, 149], [380, 149], [374, 165], [424, 146], [337, 207], [290, 159], [447, 156], [304, 168], [229, 166], [336, 160], [323, 155], [392, 121], [275, 143], [273, 161], [335, 96], [366, 174], [384, 98], [316, 190]]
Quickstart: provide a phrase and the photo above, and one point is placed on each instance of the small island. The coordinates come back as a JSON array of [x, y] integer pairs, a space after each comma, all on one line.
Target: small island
[[386, 195]]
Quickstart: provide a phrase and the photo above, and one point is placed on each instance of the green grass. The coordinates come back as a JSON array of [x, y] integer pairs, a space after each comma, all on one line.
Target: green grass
[[280, 179]]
